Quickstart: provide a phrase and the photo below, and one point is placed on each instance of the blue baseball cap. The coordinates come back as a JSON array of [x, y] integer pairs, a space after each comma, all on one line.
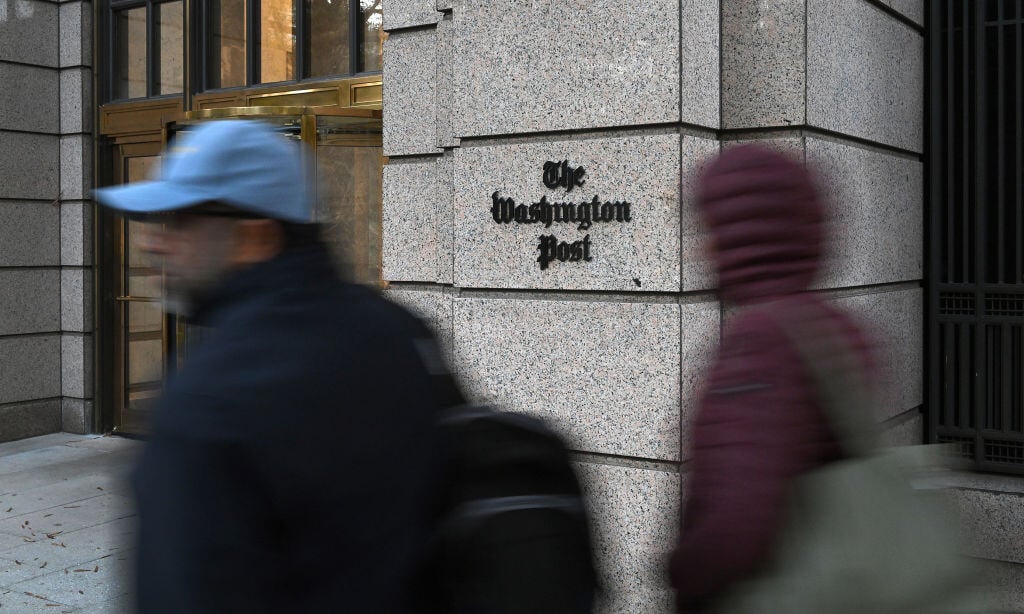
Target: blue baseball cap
[[244, 164]]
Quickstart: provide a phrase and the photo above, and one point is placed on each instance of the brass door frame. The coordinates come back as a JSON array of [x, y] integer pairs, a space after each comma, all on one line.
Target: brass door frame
[[144, 125]]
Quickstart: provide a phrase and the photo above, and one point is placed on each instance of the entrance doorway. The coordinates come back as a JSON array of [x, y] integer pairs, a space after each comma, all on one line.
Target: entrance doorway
[[138, 345]]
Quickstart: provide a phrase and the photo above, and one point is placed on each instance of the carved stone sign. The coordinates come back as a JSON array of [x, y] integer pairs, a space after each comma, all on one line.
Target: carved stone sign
[[583, 214]]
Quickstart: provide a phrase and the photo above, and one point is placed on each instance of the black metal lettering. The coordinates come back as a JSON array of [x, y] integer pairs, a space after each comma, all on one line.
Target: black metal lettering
[[551, 174], [548, 250]]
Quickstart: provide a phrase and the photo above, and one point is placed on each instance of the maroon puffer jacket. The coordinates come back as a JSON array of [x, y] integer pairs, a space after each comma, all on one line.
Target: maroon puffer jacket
[[758, 424]]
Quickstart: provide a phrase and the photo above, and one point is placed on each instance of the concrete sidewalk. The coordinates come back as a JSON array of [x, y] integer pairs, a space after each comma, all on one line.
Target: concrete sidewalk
[[66, 524]]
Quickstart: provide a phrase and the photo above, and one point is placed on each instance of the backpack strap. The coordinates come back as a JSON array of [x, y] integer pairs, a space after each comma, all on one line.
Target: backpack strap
[[840, 382]]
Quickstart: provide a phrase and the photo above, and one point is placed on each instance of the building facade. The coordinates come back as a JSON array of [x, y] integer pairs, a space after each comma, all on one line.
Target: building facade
[[598, 313]]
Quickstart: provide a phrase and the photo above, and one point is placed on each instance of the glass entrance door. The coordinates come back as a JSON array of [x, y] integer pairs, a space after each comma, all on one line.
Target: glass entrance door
[[344, 163], [142, 331]]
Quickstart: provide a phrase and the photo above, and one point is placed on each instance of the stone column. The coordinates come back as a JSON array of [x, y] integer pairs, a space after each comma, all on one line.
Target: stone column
[[30, 277], [76, 211], [480, 94], [839, 83]]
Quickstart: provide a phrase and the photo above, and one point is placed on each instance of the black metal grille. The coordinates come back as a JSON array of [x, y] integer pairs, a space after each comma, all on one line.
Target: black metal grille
[[975, 157]]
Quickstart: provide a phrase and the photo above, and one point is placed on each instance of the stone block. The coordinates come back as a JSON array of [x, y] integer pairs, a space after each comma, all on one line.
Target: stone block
[[21, 420], [700, 327], [699, 65], [446, 219], [410, 13], [31, 232], [1005, 583], [29, 99], [76, 299], [434, 306], [894, 321], [31, 164], [908, 432], [635, 515], [76, 365], [911, 9], [606, 375], [763, 63], [447, 104], [75, 34], [412, 220], [865, 73], [642, 254], [546, 65], [31, 368], [76, 233], [410, 93], [991, 524], [76, 415], [696, 270], [75, 166], [875, 205], [31, 301], [29, 32], [75, 100]]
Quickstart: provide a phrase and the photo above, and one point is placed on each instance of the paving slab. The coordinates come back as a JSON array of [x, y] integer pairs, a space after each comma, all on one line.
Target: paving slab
[[67, 524]]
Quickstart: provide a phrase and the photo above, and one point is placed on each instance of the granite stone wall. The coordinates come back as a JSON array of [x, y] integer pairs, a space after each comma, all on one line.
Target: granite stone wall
[[45, 108], [491, 107]]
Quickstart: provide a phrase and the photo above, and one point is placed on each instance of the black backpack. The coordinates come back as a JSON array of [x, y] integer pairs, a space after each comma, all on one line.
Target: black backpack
[[513, 536]]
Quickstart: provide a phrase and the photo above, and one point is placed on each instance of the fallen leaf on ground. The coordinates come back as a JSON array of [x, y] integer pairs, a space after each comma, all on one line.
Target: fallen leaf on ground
[[43, 566]]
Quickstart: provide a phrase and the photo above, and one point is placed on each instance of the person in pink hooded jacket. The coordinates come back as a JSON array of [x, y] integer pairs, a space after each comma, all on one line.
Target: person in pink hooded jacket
[[759, 424]]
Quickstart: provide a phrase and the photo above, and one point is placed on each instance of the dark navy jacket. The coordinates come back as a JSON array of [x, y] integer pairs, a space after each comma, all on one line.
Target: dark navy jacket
[[293, 460]]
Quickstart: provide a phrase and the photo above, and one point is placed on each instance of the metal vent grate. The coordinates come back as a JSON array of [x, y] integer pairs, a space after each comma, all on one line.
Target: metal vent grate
[[1004, 305], [956, 304], [998, 451]]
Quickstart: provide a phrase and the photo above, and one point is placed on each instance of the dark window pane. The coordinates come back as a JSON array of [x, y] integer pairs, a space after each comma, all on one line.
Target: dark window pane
[[372, 35], [328, 37], [225, 61], [130, 54], [277, 40], [170, 47]]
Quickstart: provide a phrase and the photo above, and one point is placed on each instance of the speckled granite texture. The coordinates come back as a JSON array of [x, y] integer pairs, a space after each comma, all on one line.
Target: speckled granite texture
[[992, 524], [433, 305], [763, 55], [699, 346], [447, 104], [635, 516], [412, 218], [31, 301], [410, 93], [895, 322], [865, 73], [409, 13], [699, 71], [875, 202], [639, 255], [446, 219], [607, 375], [911, 9], [552, 65], [696, 271], [1006, 582]]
